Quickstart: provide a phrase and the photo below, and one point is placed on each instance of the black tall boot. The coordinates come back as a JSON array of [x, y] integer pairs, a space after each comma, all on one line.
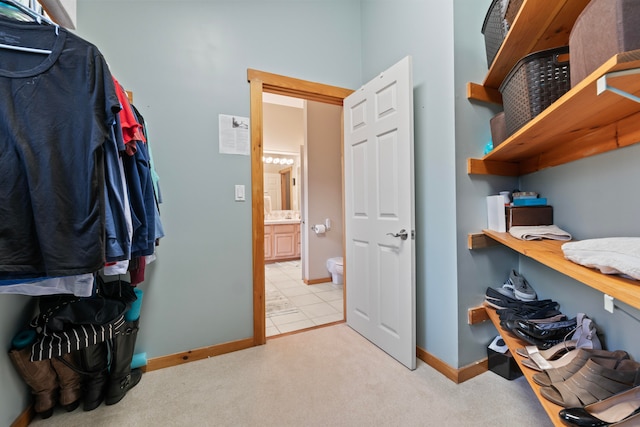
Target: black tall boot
[[121, 377], [95, 363], [41, 379]]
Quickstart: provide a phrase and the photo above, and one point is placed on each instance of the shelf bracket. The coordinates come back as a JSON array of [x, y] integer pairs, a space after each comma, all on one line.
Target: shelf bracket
[[477, 315], [602, 84]]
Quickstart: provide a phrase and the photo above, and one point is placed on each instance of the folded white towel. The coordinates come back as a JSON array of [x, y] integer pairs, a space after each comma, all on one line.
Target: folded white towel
[[538, 232], [610, 255]]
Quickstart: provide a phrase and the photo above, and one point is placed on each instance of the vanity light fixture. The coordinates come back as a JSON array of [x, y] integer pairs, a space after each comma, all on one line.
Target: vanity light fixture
[[277, 160]]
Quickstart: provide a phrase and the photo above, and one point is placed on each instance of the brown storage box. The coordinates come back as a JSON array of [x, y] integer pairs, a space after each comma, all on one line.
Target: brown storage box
[[529, 215], [603, 29], [498, 129]]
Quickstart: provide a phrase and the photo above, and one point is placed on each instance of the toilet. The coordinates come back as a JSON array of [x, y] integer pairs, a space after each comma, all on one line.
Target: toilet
[[334, 265]]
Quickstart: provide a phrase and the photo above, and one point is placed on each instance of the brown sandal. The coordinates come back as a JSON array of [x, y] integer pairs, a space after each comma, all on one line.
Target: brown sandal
[[595, 381], [557, 375]]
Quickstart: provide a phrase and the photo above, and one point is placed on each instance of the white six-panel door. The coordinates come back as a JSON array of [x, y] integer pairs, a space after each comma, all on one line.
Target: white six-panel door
[[379, 212]]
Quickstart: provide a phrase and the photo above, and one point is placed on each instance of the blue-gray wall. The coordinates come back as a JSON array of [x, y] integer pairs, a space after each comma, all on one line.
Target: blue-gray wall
[[424, 30], [476, 269], [447, 47], [186, 62], [591, 198]]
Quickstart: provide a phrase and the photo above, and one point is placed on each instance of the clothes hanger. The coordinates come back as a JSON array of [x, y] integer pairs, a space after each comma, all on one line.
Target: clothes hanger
[[32, 13], [25, 49], [36, 17], [14, 13]]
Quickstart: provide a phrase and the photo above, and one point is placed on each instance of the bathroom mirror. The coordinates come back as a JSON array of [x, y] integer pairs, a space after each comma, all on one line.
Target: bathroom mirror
[[280, 182], [286, 189]]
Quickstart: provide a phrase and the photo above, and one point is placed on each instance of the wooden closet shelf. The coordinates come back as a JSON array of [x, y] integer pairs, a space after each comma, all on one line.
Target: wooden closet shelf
[[579, 124], [549, 253], [513, 343], [539, 25]]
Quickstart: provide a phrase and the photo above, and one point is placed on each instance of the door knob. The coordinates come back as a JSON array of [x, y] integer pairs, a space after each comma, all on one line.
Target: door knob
[[402, 234]]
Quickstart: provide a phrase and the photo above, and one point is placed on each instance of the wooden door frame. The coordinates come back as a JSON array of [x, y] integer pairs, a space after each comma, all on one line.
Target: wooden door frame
[[261, 82]]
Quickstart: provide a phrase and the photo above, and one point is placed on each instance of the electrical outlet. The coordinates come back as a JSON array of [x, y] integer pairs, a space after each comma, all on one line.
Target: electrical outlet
[[608, 303]]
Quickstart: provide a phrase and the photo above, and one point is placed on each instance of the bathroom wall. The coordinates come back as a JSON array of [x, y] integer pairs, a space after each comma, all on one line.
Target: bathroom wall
[[283, 132], [283, 128], [322, 197]]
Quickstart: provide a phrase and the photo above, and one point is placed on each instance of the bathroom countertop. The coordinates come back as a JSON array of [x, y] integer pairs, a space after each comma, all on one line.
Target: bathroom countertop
[[281, 221]]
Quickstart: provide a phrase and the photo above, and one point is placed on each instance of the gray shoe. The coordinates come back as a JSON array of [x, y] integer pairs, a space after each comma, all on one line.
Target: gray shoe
[[520, 287]]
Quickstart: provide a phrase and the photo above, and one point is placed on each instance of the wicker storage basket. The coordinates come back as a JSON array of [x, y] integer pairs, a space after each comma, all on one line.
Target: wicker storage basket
[[534, 83], [496, 25]]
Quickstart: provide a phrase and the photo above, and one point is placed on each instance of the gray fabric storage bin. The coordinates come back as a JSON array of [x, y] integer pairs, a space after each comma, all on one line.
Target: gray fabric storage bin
[[603, 29], [498, 129]]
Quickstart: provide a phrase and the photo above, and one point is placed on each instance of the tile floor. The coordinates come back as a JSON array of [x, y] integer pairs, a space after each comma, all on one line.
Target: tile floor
[[292, 305]]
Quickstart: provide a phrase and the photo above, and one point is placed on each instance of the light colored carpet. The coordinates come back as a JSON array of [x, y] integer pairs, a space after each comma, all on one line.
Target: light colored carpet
[[323, 377]]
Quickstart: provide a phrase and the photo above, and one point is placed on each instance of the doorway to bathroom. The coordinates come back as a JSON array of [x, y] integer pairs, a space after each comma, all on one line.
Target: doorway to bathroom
[[303, 213], [304, 280]]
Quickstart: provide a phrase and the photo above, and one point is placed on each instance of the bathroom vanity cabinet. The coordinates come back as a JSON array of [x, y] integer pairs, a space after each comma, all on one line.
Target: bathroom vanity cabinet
[[281, 241]]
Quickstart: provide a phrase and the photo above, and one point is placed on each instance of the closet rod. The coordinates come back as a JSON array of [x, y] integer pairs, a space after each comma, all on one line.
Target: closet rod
[[25, 49]]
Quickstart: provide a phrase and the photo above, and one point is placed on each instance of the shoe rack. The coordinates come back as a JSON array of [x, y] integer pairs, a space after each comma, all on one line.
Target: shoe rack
[[549, 253], [513, 343]]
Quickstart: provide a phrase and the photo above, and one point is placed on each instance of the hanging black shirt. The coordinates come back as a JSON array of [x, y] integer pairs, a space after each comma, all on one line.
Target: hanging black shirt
[[55, 114]]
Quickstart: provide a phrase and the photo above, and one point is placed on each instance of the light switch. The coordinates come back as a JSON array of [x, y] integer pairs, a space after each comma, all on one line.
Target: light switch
[[240, 193]]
